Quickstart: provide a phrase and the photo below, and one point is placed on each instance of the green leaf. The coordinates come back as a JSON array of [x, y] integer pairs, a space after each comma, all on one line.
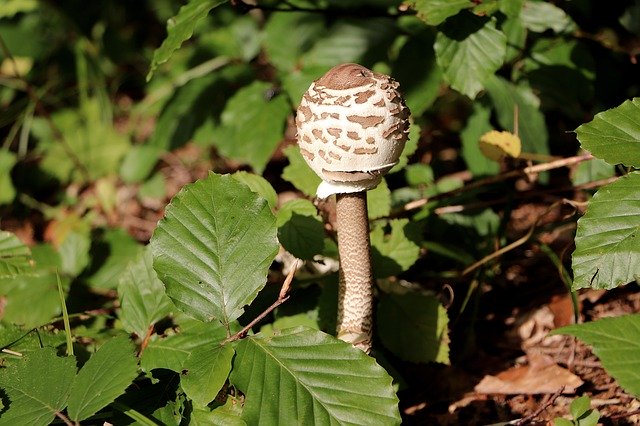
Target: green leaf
[[37, 388], [259, 185], [579, 406], [110, 257], [283, 50], [9, 8], [299, 173], [213, 248], [154, 188], [614, 135], [143, 301], [180, 28], [252, 125], [592, 170], [559, 421], [15, 257], [103, 378], [304, 376], [478, 124], [350, 40], [395, 252], [74, 252], [469, 49], [410, 147], [562, 73], [171, 352], [193, 110], [207, 368], [418, 73], [32, 299], [414, 327], [506, 97], [539, 16], [7, 190], [306, 319], [92, 147], [616, 341], [300, 230], [138, 163], [607, 252], [434, 12], [379, 201], [226, 415]]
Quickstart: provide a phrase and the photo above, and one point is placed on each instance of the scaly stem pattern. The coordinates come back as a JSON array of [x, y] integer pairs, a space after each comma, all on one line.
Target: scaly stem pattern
[[355, 297]]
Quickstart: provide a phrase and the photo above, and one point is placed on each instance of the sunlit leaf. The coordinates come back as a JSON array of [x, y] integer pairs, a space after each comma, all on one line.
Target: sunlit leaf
[[143, 301], [379, 201], [259, 185], [614, 135], [469, 49], [350, 41], [306, 376], [497, 145], [213, 248], [103, 377], [37, 388], [283, 50], [15, 257], [414, 327], [607, 252], [207, 370], [396, 251], [252, 125], [7, 190], [299, 173], [180, 28], [9, 8], [434, 12], [539, 16], [616, 341], [92, 147], [172, 351]]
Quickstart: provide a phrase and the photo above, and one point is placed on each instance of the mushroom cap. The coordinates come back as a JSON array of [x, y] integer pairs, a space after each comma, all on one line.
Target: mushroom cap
[[352, 127]]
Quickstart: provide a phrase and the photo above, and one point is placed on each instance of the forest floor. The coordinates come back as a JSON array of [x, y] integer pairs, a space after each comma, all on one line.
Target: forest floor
[[505, 369]]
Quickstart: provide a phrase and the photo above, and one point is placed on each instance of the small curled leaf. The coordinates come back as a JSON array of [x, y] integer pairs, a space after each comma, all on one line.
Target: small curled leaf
[[496, 145]]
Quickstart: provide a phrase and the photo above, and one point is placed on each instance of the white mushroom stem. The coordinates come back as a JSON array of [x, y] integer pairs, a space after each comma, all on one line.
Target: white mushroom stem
[[355, 294]]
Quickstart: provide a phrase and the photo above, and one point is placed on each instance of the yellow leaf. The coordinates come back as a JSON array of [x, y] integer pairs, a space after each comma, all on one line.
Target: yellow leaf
[[497, 145]]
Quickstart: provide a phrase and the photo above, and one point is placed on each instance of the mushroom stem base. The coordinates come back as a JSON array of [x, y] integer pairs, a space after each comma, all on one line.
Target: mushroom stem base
[[355, 297]]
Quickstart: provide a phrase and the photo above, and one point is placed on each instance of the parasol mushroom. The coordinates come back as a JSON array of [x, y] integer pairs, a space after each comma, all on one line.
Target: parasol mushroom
[[352, 127]]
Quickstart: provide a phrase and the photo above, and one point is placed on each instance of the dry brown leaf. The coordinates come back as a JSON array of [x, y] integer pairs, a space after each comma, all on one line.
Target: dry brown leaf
[[541, 375]]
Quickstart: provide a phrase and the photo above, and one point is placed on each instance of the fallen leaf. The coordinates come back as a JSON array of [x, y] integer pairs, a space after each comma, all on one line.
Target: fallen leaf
[[541, 375]]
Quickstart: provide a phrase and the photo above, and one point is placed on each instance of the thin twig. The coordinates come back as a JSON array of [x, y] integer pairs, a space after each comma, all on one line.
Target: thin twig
[[527, 171], [549, 400], [623, 415], [514, 244], [145, 341], [64, 418], [282, 297]]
